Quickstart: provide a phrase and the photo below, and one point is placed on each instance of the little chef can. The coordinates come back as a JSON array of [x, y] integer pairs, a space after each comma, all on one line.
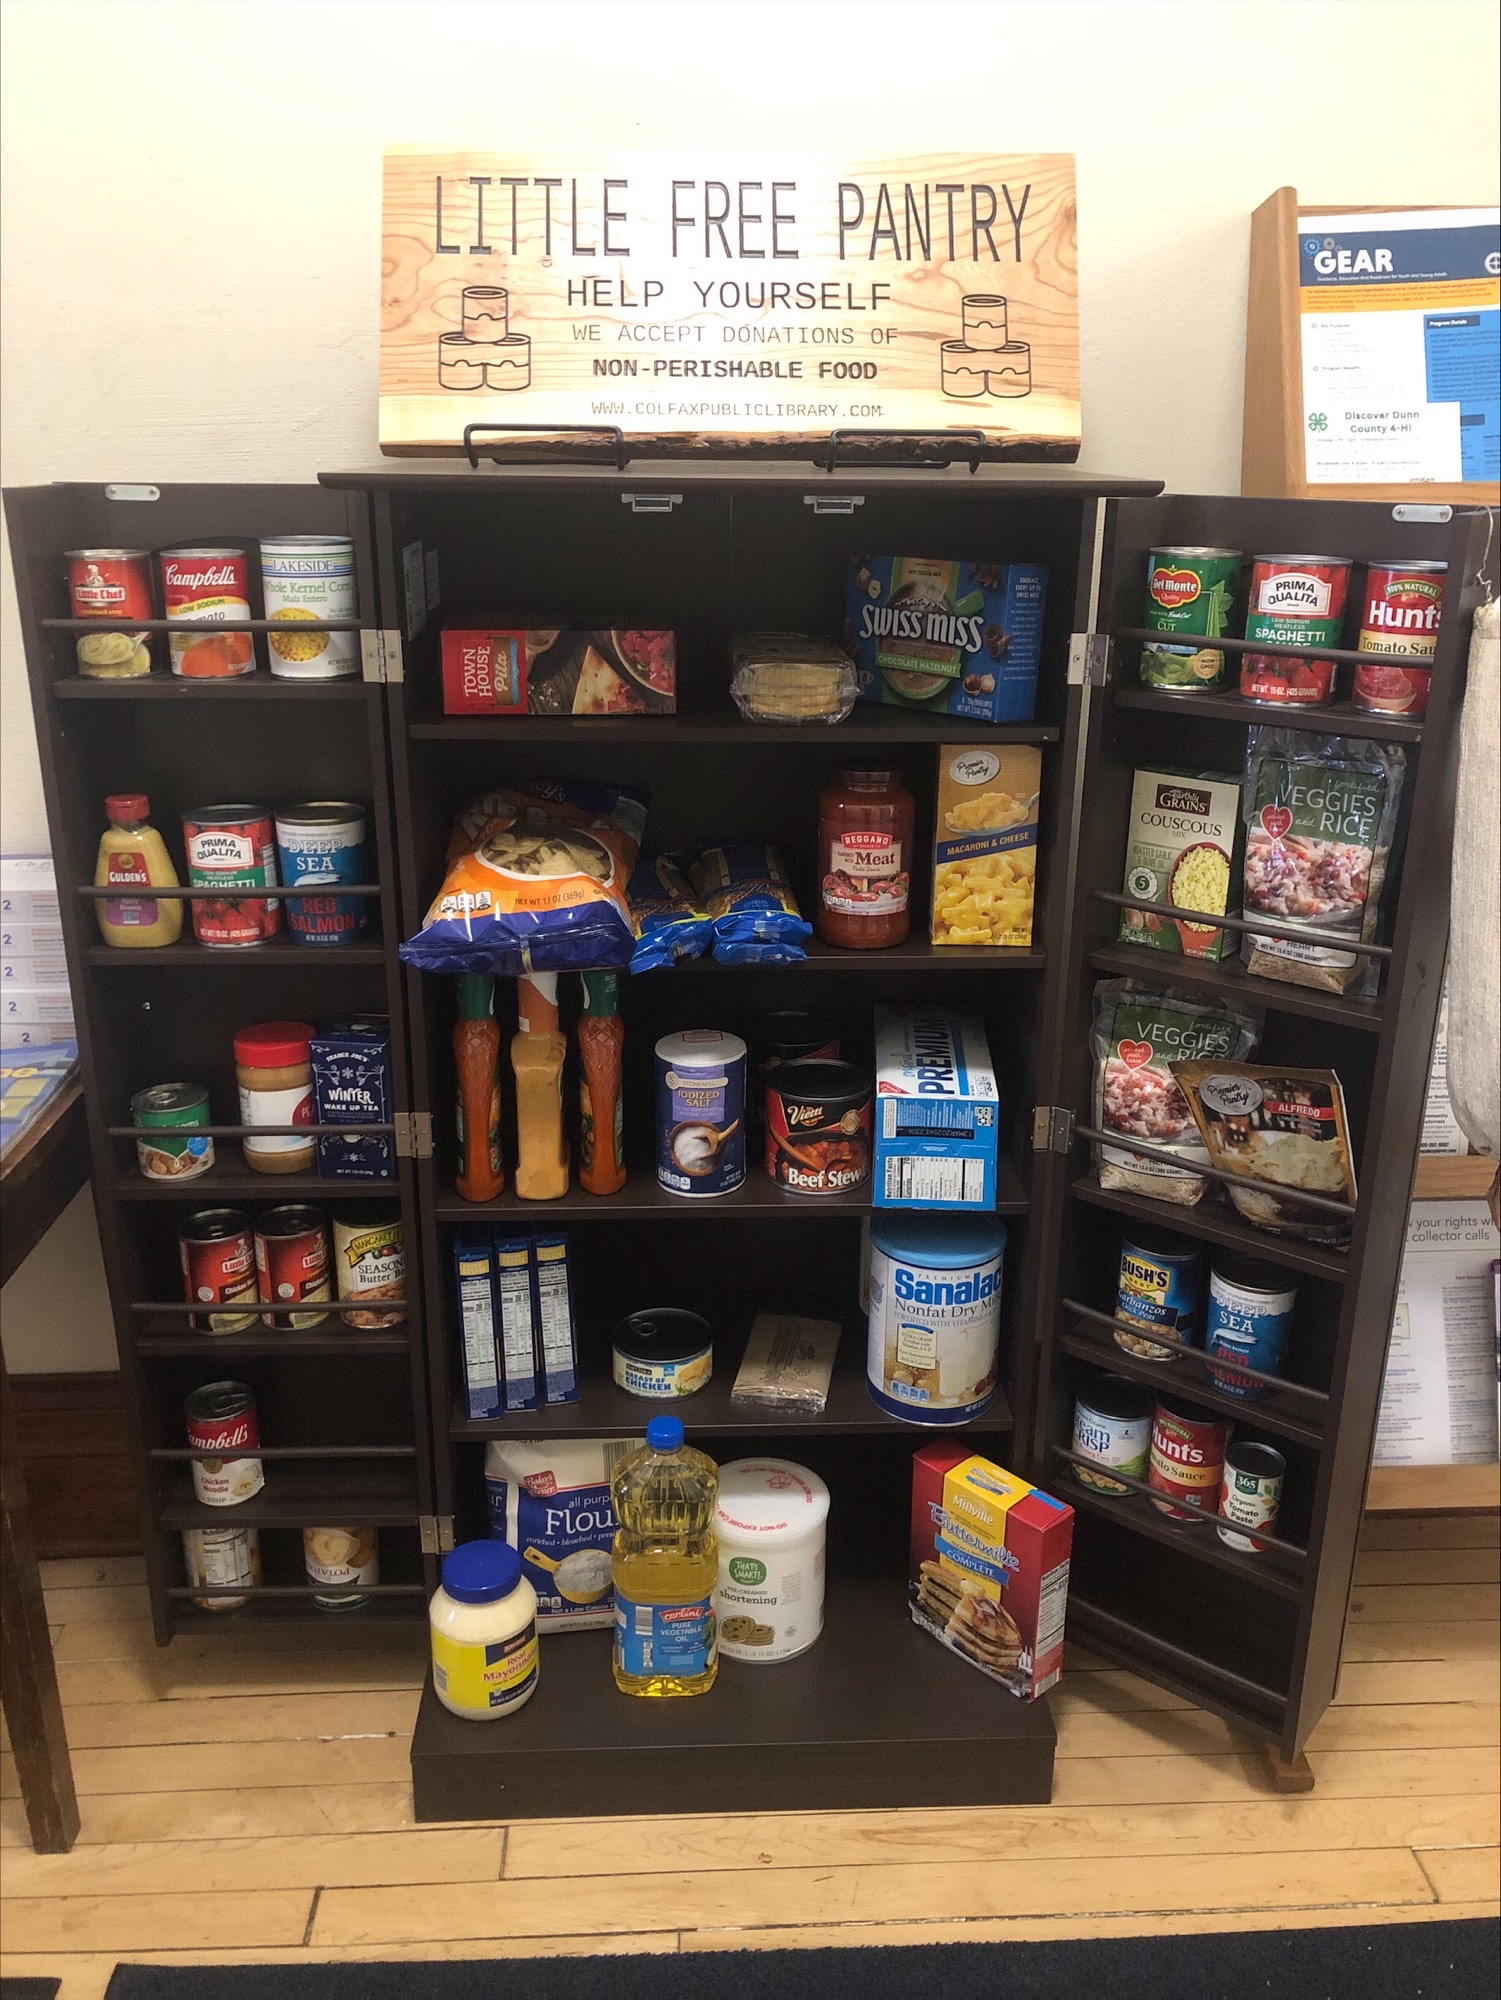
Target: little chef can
[[323, 843], [1112, 1426], [207, 587], [221, 1423], [770, 1521], [308, 578], [113, 584], [1251, 1493], [1186, 1459], [935, 1315], [700, 1112]]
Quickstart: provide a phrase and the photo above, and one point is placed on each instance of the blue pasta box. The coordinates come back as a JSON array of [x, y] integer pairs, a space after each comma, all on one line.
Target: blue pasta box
[[552, 1299], [474, 1280], [352, 1087], [955, 638]]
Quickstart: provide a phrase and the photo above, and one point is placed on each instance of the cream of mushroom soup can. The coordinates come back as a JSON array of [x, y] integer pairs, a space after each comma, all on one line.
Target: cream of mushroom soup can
[[1112, 1427], [770, 1522]]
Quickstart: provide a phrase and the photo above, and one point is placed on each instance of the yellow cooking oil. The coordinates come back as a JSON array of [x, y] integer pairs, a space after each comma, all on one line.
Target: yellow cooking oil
[[665, 1565]]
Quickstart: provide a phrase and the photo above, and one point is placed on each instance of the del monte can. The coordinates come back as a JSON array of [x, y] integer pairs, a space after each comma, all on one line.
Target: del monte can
[[1189, 591]]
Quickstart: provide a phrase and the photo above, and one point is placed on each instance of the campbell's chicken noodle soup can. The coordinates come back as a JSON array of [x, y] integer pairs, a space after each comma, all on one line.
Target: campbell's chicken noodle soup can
[[216, 1250], [207, 587], [1294, 601], [1186, 1459], [308, 578], [291, 1264], [113, 584], [221, 1423], [231, 848], [369, 1264], [1251, 1493], [1399, 622], [223, 1561], [1190, 591]]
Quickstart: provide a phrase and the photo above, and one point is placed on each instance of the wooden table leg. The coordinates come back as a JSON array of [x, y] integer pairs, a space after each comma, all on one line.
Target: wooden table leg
[[28, 1676]]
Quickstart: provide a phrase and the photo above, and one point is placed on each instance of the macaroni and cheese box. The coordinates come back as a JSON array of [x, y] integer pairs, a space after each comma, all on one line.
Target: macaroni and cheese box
[[957, 638], [512, 670], [1180, 848], [985, 843], [937, 1110], [989, 1569]]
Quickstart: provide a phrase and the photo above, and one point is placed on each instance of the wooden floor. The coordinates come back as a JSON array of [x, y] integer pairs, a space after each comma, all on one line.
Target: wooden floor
[[246, 1798]]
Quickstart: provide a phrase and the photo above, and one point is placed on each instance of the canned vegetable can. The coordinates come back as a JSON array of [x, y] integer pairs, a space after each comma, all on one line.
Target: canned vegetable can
[[1161, 1277], [306, 578], [1112, 1426], [1251, 1493], [1189, 591], [170, 1114]]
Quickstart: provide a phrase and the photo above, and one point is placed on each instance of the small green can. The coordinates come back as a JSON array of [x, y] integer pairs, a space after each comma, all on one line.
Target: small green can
[[171, 1148], [1188, 591]]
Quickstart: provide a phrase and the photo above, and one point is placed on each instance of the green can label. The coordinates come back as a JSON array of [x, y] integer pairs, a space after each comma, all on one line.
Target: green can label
[[1189, 591]]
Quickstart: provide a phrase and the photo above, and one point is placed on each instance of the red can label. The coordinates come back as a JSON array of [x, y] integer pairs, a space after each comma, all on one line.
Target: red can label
[[1187, 1460], [208, 587], [1390, 690], [113, 584], [816, 1145], [216, 1271], [292, 1268], [231, 1474], [225, 1436], [230, 854], [1402, 607], [1291, 683]]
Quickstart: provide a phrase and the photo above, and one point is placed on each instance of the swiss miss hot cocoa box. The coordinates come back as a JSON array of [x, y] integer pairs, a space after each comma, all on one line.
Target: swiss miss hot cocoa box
[[553, 670], [989, 1575]]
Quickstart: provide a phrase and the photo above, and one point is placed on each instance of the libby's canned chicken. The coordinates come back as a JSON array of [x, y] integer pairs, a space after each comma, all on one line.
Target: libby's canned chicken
[[701, 1112]]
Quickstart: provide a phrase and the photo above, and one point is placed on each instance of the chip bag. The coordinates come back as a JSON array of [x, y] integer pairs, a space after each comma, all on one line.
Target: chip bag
[[744, 887], [669, 924], [535, 882]]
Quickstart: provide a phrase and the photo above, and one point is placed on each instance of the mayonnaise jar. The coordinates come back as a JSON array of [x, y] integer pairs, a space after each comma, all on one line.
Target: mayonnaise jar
[[483, 1626]]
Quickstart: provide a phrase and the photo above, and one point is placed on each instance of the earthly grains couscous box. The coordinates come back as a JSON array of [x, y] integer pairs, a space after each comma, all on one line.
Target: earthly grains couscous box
[[1180, 847], [985, 843]]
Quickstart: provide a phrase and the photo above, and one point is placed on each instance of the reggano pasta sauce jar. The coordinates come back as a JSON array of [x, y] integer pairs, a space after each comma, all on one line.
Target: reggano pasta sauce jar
[[865, 831]]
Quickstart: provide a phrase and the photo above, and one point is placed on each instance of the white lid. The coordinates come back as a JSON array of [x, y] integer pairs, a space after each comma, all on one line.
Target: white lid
[[700, 1048], [765, 1500]]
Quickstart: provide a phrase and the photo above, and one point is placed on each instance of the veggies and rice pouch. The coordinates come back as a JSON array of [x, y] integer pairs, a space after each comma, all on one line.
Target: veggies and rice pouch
[[669, 923], [744, 887], [1137, 1034], [1319, 813], [535, 882], [1283, 1127]]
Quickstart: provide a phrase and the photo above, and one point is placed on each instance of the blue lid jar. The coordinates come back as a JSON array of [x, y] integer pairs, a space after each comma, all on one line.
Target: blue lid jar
[[481, 1572], [935, 1238]]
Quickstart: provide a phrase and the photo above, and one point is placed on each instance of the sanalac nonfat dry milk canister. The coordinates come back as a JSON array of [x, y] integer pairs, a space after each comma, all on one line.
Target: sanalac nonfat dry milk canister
[[935, 1315]]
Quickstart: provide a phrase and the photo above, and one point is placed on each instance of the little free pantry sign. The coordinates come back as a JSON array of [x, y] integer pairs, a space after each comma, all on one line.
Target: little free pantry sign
[[692, 300]]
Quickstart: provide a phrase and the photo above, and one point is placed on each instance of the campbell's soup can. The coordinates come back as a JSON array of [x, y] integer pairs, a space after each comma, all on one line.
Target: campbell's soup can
[[217, 1252], [224, 1561], [306, 578], [231, 848], [1112, 1426], [1294, 601], [323, 843], [292, 1264], [1186, 1459], [1399, 622], [221, 1422], [1250, 1493], [113, 584], [207, 587], [1189, 591]]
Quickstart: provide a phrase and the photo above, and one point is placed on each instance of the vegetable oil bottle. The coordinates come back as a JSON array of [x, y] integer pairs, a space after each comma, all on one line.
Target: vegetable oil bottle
[[666, 1565]]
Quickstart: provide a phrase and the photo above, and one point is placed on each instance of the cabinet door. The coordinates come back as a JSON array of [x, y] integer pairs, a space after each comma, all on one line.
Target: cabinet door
[[1254, 1633]]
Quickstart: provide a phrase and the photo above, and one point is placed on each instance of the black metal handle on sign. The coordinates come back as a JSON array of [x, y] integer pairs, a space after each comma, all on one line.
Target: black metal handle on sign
[[1125, 1142], [609, 432], [935, 447]]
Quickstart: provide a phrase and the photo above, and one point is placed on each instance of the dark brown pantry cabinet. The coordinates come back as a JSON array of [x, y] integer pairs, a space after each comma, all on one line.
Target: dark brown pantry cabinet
[[875, 1713]]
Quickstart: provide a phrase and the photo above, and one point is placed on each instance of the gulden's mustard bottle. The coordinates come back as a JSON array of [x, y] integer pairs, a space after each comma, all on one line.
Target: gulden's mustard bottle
[[133, 857]]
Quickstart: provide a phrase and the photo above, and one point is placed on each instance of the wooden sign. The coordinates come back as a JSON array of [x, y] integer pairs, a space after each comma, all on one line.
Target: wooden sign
[[696, 302]]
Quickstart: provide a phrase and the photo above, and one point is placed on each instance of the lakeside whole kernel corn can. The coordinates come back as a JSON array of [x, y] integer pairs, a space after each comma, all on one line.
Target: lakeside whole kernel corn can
[[1189, 591], [307, 578]]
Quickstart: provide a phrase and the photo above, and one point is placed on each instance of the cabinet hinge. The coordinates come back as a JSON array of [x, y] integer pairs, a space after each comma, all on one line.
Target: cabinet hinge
[[1052, 1128], [436, 1531], [132, 493], [651, 503], [414, 1135], [1088, 659], [381, 657], [833, 503]]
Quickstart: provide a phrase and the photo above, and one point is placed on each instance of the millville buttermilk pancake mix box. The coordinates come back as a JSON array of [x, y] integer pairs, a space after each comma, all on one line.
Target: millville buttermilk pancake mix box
[[957, 638], [937, 1110], [989, 1570]]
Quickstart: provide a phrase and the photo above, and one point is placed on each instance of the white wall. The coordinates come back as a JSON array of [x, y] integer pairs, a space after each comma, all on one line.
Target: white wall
[[192, 193]]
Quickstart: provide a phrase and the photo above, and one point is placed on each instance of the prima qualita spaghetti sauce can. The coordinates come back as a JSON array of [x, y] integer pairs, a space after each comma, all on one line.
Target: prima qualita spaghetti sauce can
[[1186, 1459], [231, 849], [1295, 601]]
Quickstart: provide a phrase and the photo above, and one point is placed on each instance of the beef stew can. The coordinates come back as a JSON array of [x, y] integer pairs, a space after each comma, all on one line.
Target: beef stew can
[[216, 1249], [784, 1036], [1186, 1460], [291, 1263], [818, 1127], [221, 1421], [231, 848]]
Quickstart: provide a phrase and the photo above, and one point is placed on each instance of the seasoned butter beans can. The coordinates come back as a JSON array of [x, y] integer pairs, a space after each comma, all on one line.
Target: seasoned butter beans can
[[1159, 1284], [1251, 1493], [171, 1148], [1112, 1426], [291, 1264], [224, 1561], [221, 1423], [1250, 1311], [1189, 592], [369, 1265], [1186, 1459], [309, 578]]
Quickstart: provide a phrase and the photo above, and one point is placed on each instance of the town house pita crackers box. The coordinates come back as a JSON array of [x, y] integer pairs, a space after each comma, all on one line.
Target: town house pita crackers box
[[985, 843], [989, 1573]]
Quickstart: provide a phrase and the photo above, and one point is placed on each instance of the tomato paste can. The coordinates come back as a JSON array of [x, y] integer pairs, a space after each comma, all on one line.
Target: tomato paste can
[[1399, 620], [291, 1263], [1161, 1277], [1250, 1311], [1294, 601], [1112, 1426], [306, 578], [231, 848], [323, 843], [369, 1264], [1251, 1492], [818, 1127], [221, 1421], [171, 1147], [1186, 1459], [338, 1561], [113, 584], [217, 1251], [781, 1037], [700, 1112], [207, 587], [1190, 591], [221, 1560]]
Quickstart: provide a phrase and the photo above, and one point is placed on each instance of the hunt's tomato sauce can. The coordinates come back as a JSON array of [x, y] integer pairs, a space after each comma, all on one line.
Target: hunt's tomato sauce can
[[1400, 622], [207, 587], [221, 1422], [1186, 1459], [1295, 601], [217, 1253], [292, 1263], [113, 584], [231, 849]]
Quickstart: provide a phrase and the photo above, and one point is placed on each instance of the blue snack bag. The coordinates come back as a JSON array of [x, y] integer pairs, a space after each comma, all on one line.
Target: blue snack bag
[[669, 924], [744, 887]]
